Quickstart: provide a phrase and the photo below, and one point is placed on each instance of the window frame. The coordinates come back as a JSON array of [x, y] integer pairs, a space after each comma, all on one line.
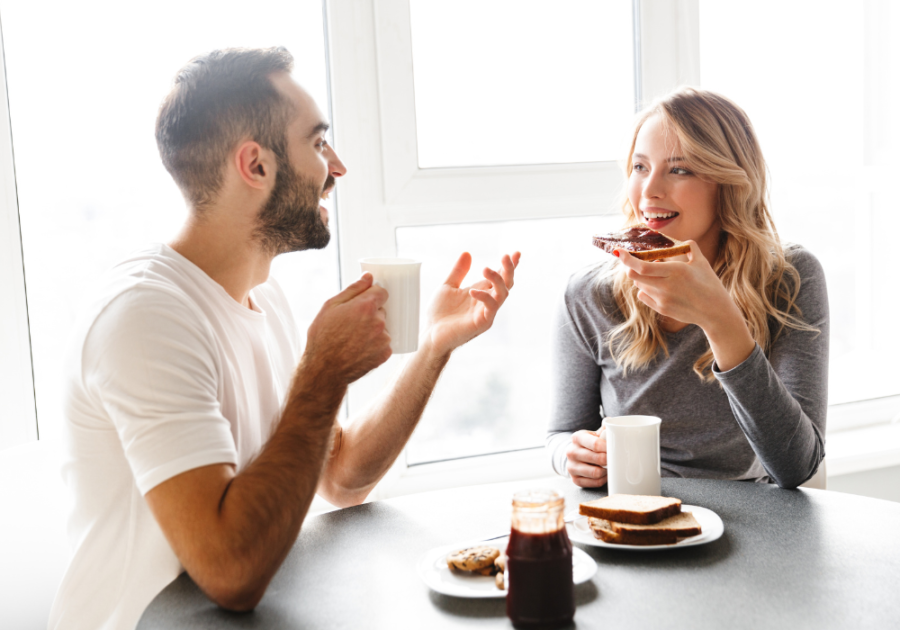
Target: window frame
[[18, 423], [373, 108]]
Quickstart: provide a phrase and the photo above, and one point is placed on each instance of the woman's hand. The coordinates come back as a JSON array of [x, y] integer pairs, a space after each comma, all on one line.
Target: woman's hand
[[586, 458], [691, 293]]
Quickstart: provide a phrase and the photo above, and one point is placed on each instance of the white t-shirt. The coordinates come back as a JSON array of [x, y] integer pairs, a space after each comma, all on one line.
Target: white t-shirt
[[166, 373]]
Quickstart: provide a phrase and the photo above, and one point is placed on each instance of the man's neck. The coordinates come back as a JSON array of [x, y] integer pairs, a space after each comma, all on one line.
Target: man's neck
[[226, 254]]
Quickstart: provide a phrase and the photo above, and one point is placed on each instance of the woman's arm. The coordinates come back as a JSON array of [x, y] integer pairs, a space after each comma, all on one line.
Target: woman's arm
[[780, 402], [573, 449]]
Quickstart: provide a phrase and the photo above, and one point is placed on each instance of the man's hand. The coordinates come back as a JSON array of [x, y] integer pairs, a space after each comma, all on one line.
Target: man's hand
[[348, 339], [460, 314], [586, 459]]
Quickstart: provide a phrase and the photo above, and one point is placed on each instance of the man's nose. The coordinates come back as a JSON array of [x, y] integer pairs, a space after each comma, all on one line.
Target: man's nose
[[336, 168]]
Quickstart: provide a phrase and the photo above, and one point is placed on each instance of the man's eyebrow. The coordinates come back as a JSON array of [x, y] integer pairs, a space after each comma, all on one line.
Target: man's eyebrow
[[322, 127], [641, 156]]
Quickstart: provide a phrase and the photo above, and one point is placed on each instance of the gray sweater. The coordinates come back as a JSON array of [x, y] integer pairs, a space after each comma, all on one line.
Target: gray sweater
[[763, 420]]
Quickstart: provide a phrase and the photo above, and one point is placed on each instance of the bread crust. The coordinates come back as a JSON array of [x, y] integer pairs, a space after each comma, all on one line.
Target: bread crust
[[650, 254], [626, 508], [603, 530], [681, 525]]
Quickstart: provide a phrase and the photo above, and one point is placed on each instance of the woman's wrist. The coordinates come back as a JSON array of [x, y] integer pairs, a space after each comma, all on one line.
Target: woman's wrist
[[729, 338]]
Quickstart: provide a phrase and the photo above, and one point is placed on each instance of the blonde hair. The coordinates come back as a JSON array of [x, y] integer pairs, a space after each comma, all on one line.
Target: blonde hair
[[719, 145]]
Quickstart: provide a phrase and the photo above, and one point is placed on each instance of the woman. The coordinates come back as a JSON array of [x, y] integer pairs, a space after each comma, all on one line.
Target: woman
[[729, 347]]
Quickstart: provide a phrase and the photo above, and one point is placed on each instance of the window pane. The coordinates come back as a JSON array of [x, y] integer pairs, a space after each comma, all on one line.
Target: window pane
[[494, 395], [822, 93], [522, 81], [85, 84]]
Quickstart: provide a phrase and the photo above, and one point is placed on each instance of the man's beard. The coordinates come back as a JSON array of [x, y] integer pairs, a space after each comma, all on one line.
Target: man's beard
[[290, 220]]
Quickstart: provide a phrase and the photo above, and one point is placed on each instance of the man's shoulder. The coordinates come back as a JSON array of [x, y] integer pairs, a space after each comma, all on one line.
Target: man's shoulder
[[130, 294], [145, 277]]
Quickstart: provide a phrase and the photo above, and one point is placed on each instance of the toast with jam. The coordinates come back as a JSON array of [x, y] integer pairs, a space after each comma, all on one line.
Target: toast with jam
[[642, 242]]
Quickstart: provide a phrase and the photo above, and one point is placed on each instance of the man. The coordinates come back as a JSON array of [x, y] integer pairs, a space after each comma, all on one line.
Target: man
[[197, 441]]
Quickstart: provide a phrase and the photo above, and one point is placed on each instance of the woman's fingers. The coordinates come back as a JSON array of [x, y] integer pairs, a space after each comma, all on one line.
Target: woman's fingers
[[589, 440], [587, 482], [643, 267], [580, 455]]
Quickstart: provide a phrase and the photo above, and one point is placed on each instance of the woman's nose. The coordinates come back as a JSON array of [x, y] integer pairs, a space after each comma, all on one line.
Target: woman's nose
[[654, 187]]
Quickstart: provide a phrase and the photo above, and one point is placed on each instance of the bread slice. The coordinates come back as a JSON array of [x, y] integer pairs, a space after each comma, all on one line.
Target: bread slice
[[604, 530], [629, 508], [642, 242], [681, 525]]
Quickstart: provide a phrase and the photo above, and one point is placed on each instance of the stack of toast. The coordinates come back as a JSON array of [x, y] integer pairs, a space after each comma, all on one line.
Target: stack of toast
[[626, 519]]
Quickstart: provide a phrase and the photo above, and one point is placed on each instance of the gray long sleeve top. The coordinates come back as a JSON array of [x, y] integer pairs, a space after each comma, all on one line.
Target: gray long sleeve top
[[763, 420]]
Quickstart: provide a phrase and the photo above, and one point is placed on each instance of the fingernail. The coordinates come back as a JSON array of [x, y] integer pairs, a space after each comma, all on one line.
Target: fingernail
[[616, 253]]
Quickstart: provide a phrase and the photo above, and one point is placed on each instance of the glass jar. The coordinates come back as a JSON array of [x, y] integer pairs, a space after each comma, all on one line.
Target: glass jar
[[539, 562]]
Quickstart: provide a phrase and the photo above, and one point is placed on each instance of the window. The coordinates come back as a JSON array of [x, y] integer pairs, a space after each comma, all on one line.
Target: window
[[416, 191], [84, 88], [824, 114], [527, 82]]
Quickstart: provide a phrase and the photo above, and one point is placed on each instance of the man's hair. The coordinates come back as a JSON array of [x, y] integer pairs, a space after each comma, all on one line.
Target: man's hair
[[219, 99]]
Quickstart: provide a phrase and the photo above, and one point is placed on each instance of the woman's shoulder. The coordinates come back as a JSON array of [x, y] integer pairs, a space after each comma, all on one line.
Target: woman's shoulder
[[812, 296], [804, 261]]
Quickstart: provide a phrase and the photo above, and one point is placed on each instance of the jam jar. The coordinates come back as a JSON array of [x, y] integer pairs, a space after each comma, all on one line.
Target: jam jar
[[539, 564]]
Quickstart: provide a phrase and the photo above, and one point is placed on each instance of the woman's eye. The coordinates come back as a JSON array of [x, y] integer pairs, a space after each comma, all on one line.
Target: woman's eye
[[638, 167], [681, 171]]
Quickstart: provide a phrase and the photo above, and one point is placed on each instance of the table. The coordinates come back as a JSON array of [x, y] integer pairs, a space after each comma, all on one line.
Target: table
[[788, 559]]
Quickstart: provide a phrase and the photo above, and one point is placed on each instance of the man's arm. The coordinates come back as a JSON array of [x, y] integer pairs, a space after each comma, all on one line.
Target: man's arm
[[232, 531], [366, 449]]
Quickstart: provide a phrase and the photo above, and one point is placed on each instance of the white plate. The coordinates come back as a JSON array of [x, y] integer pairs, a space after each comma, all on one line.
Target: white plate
[[436, 574], [711, 527]]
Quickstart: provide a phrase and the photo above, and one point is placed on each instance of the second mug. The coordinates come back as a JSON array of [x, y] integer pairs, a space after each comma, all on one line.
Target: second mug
[[632, 455]]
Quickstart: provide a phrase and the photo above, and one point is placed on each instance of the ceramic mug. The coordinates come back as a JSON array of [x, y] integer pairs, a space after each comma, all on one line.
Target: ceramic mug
[[632, 455], [400, 278]]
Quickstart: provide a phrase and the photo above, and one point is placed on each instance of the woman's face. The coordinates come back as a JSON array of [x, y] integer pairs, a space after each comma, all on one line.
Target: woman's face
[[667, 196]]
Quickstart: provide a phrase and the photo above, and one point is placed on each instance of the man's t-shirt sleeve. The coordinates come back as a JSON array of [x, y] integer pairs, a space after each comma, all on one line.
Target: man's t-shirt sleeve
[[150, 363]]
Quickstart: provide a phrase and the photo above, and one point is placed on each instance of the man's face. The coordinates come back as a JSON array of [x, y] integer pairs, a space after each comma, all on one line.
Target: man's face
[[292, 219]]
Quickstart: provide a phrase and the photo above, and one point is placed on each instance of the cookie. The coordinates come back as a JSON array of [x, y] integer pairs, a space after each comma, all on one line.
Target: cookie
[[488, 570], [473, 558]]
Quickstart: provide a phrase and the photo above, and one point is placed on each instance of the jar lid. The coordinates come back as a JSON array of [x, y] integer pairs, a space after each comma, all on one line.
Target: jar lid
[[537, 499]]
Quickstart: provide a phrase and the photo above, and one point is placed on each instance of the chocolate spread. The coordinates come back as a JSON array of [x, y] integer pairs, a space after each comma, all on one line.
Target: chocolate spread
[[635, 239]]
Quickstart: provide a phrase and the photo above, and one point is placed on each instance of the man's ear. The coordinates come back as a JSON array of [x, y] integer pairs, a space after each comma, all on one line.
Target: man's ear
[[255, 165]]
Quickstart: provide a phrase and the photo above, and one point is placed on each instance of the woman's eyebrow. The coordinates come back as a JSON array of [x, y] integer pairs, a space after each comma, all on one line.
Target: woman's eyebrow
[[641, 156]]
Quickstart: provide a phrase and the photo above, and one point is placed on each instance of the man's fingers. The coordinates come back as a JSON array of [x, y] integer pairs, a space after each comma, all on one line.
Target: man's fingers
[[508, 270], [498, 282], [460, 269], [357, 288], [379, 294], [485, 298]]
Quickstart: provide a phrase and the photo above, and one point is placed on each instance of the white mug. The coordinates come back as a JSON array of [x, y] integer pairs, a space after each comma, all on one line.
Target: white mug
[[632, 455], [400, 278]]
